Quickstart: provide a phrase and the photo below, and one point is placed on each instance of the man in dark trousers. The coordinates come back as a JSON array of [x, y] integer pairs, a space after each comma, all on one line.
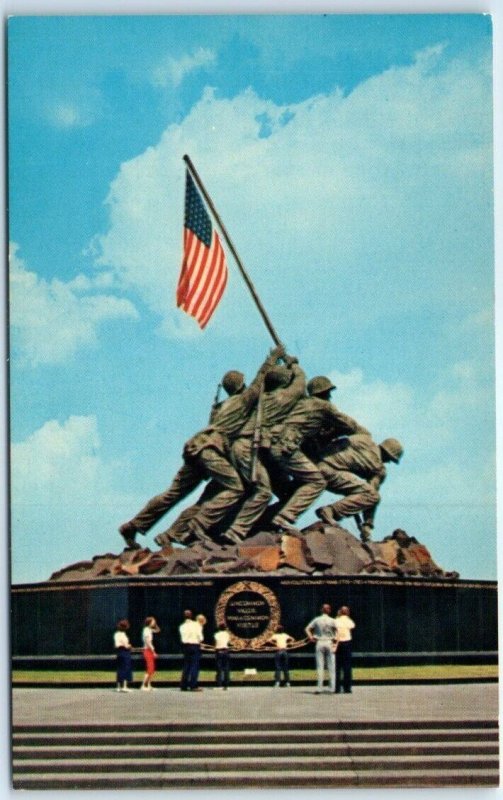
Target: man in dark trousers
[[191, 635], [343, 670]]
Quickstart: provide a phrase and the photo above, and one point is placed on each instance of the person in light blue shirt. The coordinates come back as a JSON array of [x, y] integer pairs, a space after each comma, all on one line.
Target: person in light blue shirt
[[323, 631]]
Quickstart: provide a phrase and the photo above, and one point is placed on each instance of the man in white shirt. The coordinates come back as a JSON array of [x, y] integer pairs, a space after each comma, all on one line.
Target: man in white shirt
[[344, 625], [322, 630], [222, 644], [191, 635]]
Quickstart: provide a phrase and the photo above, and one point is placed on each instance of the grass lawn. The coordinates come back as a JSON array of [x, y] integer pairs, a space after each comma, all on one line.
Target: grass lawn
[[434, 671]]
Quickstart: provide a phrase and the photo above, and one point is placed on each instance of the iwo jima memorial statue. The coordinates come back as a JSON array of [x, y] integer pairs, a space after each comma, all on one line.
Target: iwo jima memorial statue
[[269, 451]]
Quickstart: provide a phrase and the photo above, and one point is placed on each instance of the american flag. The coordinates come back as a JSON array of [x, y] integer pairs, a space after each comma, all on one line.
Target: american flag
[[204, 272]]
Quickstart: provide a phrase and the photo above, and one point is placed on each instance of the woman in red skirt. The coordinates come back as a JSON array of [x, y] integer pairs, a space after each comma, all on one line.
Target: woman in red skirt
[[149, 654]]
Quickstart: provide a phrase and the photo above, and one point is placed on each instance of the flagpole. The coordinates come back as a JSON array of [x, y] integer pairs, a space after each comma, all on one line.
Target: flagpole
[[233, 250]]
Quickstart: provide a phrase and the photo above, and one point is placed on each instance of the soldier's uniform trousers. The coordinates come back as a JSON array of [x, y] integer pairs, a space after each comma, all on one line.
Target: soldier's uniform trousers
[[209, 463], [259, 492], [359, 495], [309, 481]]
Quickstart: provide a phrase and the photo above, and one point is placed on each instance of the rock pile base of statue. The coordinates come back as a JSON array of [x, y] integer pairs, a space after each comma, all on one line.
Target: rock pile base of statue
[[319, 549]]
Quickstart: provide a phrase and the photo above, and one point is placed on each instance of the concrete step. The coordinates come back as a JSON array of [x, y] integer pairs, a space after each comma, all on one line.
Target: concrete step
[[263, 724], [278, 749], [250, 763], [255, 755], [193, 739], [294, 778]]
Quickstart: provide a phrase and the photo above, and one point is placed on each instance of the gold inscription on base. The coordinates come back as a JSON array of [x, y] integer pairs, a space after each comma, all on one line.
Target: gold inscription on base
[[251, 613]]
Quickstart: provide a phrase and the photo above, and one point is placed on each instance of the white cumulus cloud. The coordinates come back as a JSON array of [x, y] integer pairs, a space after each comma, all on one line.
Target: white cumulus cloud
[[370, 403], [172, 71], [54, 450], [76, 107], [64, 497], [391, 180], [428, 425], [52, 320]]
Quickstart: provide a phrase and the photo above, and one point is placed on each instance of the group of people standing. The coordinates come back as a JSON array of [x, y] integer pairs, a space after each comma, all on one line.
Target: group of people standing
[[192, 636], [331, 635], [279, 436]]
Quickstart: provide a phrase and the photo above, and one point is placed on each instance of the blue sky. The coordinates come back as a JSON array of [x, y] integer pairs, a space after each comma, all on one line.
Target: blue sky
[[350, 157]]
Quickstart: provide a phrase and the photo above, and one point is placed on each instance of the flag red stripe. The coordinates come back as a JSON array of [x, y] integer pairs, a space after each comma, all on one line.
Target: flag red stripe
[[195, 259], [205, 277], [184, 274], [212, 274], [184, 279], [205, 321], [209, 305], [218, 290], [207, 308], [203, 274], [212, 299]]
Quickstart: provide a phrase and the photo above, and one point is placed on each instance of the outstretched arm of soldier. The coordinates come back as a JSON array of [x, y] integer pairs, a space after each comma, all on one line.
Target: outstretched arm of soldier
[[298, 384], [344, 425]]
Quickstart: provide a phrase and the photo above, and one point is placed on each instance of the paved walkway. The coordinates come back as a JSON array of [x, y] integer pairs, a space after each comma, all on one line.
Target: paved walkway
[[248, 704]]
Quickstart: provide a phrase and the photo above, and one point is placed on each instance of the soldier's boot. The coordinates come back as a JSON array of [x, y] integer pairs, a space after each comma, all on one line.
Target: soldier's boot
[[177, 534], [231, 537], [162, 539], [128, 532], [196, 533], [328, 514], [280, 523]]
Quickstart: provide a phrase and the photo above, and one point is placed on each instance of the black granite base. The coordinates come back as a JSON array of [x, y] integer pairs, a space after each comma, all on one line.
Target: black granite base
[[413, 620]]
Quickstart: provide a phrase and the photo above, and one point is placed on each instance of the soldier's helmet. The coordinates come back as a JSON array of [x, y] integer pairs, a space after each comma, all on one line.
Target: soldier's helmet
[[319, 385], [233, 381], [277, 377], [393, 449]]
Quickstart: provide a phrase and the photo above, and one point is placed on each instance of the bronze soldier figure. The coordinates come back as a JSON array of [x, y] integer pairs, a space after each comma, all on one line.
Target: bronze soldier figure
[[228, 416], [206, 456], [283, 387], [311, 417], [354, 467]]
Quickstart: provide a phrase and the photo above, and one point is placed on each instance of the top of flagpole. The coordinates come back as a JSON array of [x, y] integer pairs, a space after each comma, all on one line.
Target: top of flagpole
[[230, 244]]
